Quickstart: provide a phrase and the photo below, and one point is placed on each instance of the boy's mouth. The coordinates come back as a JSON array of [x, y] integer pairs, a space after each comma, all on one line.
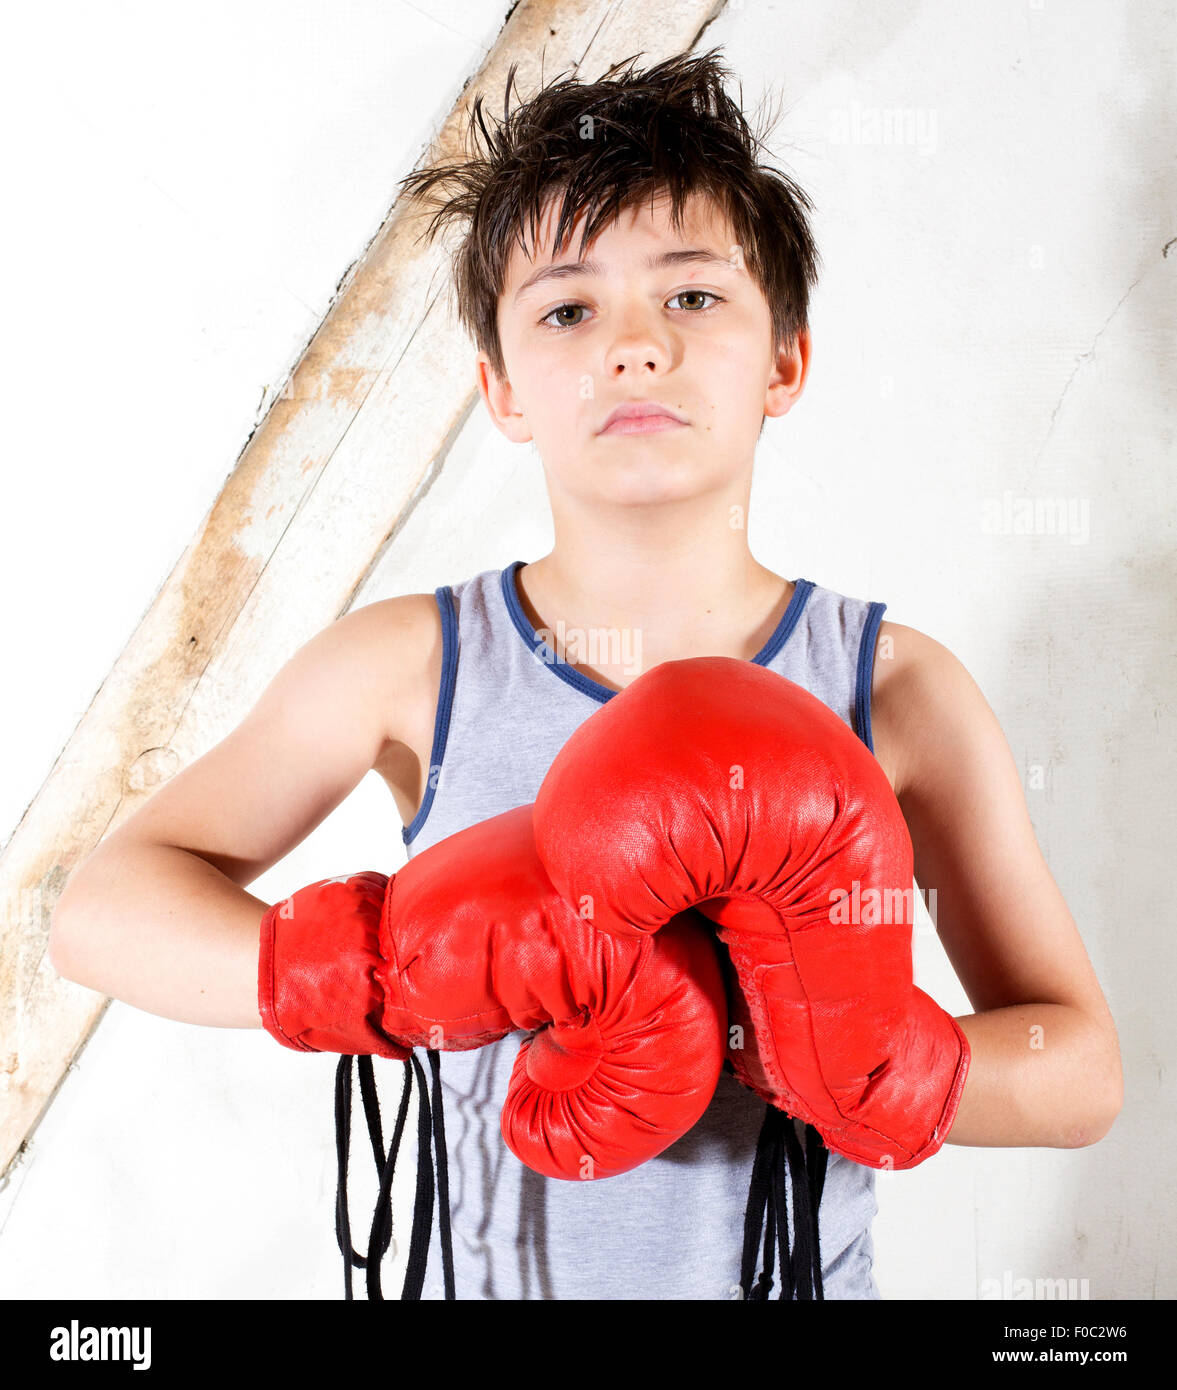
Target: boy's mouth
[[641, 417]]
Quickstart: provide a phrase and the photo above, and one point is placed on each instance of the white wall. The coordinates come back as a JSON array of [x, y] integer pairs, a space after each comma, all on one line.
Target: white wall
[[995, 316]]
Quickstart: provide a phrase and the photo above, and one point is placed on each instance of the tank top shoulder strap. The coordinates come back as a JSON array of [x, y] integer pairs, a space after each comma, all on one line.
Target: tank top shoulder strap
[[829, 648], [448, 612]]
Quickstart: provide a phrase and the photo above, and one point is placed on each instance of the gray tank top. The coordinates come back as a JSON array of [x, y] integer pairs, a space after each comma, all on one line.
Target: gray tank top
[[672, 1227]]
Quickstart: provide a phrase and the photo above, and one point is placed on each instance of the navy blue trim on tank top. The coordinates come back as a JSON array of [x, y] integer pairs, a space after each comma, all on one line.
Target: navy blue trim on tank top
[[594, 689], [601, 693], [866, 663], [445, 701]]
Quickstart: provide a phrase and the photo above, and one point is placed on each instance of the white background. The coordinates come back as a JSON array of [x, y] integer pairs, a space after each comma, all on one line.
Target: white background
[[184, 189]]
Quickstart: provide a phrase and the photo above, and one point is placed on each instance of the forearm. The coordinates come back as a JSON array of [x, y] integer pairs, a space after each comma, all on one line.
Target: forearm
[[1041, 1075], [163, 930]]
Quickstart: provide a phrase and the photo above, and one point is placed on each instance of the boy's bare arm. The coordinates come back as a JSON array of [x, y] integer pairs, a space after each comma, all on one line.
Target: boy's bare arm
[[158, 915], [1045, 1065]]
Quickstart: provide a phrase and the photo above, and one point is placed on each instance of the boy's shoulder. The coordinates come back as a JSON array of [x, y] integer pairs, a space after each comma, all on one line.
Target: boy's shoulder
[[402, 643], [407, 618], [924, 704], [399, 640]]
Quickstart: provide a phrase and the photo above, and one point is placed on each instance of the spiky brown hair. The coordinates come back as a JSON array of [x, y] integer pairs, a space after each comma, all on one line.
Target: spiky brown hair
[[671, 128]]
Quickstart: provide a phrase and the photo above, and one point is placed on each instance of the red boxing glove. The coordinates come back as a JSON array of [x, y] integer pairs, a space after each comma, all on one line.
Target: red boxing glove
[[469, 942], [718, 784]]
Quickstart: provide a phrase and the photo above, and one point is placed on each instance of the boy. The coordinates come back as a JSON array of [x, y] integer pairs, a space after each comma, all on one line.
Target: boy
[[637, 286]]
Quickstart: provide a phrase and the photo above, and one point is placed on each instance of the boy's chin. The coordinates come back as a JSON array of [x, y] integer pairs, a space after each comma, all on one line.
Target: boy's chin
[[640, 477], [647, 491]]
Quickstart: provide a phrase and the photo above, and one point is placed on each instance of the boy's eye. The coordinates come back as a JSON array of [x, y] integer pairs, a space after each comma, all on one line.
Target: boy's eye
[[562, 325], [563, 309], [683, 293]]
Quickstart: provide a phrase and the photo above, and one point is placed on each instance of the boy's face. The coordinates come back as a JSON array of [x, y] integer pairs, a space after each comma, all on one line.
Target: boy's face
[[692, 335]]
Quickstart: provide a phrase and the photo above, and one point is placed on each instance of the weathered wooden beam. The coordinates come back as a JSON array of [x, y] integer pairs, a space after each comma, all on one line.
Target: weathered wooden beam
[[343, 456]]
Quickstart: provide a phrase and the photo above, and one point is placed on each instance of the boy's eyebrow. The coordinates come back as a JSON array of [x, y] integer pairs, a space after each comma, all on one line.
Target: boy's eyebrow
[[655, 261]]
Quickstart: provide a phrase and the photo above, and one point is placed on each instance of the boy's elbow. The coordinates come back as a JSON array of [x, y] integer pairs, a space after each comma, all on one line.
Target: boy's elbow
[[1091, 1133], [1100, 1124], [58, 950], [65, 946], [1114, 1108]]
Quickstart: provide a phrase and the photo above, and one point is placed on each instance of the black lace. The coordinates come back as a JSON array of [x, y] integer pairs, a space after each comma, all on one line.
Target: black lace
[[779, 1150], [430, 1127]]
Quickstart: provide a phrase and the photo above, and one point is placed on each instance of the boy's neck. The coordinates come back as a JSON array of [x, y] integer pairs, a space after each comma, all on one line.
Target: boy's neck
[[659, 602]]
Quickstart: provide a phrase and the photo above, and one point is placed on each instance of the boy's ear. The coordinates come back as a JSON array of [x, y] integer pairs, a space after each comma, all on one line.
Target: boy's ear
[[789, 375], [500, 401]]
